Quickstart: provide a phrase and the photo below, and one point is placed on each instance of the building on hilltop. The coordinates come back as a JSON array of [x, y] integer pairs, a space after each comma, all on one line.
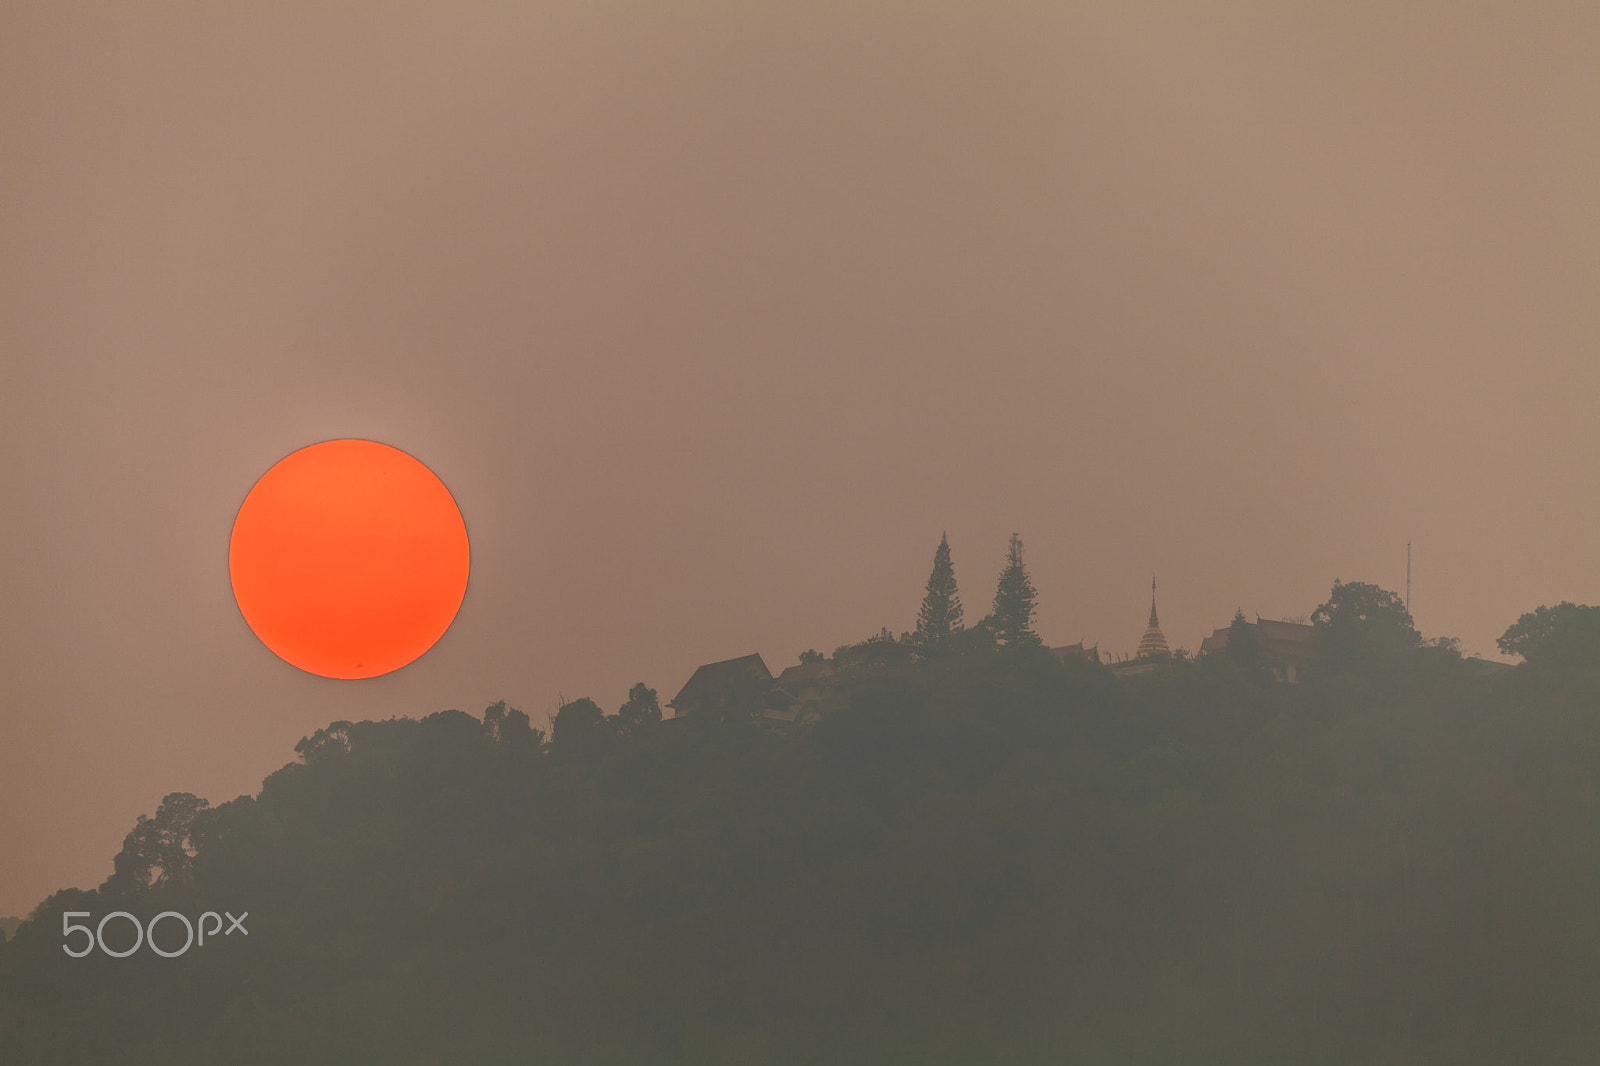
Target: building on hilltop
[[1216, 641], [1153, 653], [1153, 645], [806, 693], [809, 681], [1077, 651], [721, 686], [799, 696], [1286, 647]]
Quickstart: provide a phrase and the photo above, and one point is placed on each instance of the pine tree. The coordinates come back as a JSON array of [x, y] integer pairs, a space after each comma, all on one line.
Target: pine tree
[[1012, 619], [940, 617], [1243, 647]]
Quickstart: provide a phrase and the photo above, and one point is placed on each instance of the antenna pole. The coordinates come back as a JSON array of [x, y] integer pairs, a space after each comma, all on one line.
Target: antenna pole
[[1408, 577]]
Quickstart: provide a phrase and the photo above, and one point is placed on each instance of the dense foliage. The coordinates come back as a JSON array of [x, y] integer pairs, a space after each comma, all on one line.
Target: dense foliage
[[1020, 860], [1566, 634]]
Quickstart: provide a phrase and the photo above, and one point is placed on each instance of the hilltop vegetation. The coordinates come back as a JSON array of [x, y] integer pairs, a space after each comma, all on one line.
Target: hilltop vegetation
[[1022, 860]]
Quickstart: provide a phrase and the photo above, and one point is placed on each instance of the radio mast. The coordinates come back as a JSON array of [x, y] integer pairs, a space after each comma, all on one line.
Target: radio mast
[[1408, 577]]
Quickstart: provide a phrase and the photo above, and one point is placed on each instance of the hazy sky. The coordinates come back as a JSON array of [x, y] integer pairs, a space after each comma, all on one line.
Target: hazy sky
[[714, 315]]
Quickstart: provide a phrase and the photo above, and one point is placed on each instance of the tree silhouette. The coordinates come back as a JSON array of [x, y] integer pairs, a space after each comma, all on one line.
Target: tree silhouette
[[507, 725], [580, 730], [1012, 618], [158, 851], [1566, 634], [641, 709], [1243, 647], [940, 617], [1362, 626]]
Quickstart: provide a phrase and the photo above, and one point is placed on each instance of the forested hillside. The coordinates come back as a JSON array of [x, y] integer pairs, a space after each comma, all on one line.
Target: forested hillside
[[1022, 860]]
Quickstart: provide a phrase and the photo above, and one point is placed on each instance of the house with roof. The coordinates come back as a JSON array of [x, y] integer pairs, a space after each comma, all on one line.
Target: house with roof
[[741, 683], [799, 696]]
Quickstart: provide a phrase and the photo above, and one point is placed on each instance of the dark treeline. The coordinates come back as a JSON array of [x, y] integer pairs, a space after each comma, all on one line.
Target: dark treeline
[[1017, 859]]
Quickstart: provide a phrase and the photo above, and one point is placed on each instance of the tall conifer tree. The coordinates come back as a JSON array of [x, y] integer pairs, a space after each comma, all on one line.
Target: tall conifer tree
[[1243, 646], [1012, 619], [940, 617]]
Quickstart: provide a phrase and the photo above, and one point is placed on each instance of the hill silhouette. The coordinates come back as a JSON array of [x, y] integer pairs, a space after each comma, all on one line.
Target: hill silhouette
[[1022, 860]]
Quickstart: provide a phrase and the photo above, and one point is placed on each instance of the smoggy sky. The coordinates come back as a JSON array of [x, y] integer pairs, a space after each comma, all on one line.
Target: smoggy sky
[[714, 315]]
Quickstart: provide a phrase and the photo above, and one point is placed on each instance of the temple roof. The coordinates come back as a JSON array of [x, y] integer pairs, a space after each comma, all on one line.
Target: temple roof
[[1077, 651], [1289, 641]]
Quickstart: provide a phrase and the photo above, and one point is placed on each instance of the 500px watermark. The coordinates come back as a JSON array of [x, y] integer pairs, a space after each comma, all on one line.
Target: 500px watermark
[[146, 934]]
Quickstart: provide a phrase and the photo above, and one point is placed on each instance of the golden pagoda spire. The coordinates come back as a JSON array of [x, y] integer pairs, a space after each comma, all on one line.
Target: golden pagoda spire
[[1153, 645]]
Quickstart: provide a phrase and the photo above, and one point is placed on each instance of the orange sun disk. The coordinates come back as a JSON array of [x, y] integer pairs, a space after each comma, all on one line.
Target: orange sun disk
[[349, 559]]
